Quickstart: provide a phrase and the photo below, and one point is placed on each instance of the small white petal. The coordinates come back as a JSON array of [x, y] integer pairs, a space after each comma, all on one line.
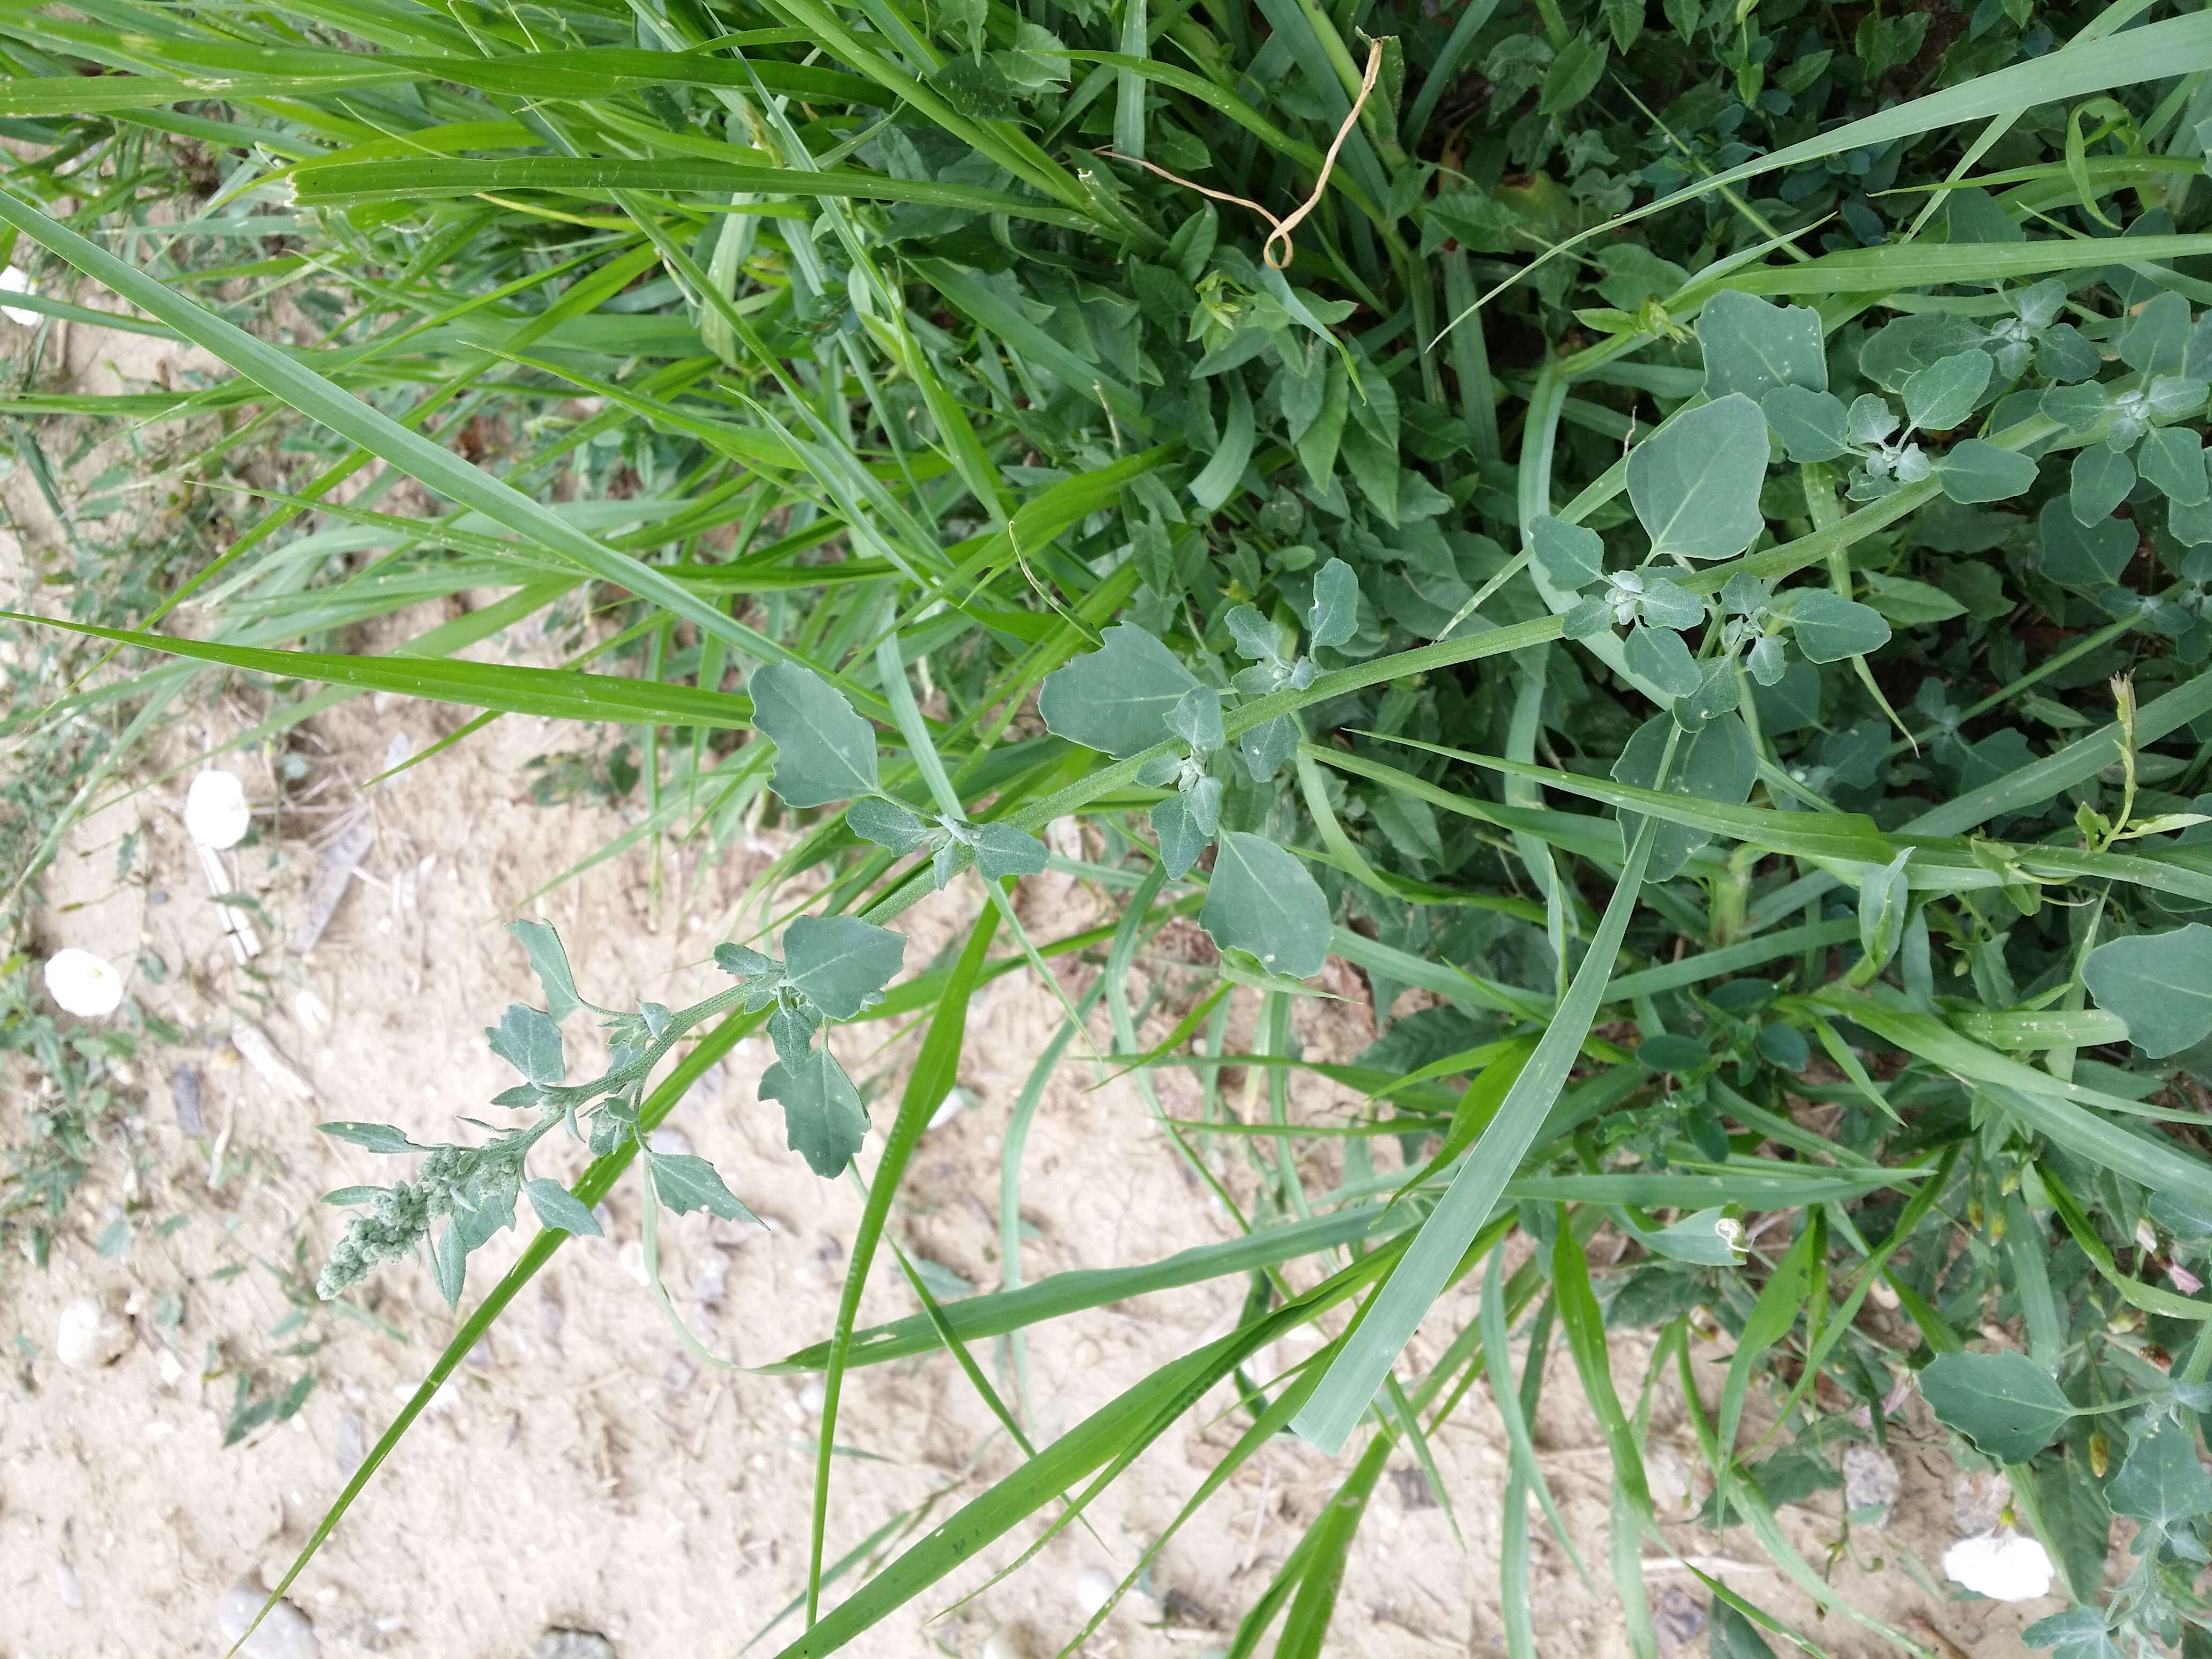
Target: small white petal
[[12, 281], [85, 985], [216, 811], [2002, 1566]]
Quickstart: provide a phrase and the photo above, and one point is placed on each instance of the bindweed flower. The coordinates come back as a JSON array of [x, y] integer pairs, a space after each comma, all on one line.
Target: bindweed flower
[[215, 812], [12, 281], [85, 985], [2001, 1564]]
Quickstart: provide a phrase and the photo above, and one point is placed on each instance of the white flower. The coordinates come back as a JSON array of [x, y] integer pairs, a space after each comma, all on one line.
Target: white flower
[[12, 281], [216, 810], [2001, 1564], [85, 985]]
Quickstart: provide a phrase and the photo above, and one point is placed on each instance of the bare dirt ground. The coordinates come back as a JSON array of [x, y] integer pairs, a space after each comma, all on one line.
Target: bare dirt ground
[[581, 1472]]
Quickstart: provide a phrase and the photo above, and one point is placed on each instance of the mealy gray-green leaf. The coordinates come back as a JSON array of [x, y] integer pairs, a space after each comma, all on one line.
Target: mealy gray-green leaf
[[1185, 823], [1753, 345], [1814, 426], [1196, 719], [530, 1042], [549, 961], [1265, 746], [1260, 899], [1117, 698], [1001, 851], [824, 1120], [685, 1182], [1659, 656], [887, 823], [376, 1137], [1973, 471], [2005, 1403], [1943, 395], [1716, 763], [2156, 340], [1829, 627], [2160, 983], [824, 752], [1334, 617], [1569, 555], [2099, 481], [558, 1207], [2172, 460], [1695, 483], [840, 963]]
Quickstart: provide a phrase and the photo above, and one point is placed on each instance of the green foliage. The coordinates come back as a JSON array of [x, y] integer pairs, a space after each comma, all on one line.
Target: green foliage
[[1733, 573]]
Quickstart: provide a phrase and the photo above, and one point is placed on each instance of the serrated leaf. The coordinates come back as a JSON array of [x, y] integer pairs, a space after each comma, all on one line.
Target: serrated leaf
[[2162, 1482], [1943, 395], [2160, 983], [685, 1182], [1695, 483], [1261, 899], [548, 960], [531, 1042], [2076, 1633], [1265, 746], [2099, 481], [1973, 471], [1753, 346], [1814, 426], [1829, 627], [484, 1204], [1117, 698], [2005, 1403], [1001, 851], [559, 1208], [824, 751], [1256, 636], [840, 963], [740, 962], [1571, 556], [1660, 657], [824, 1120], [377, 1136], [888, 824]]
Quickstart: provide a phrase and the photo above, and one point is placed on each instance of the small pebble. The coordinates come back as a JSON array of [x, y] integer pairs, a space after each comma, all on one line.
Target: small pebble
[[670, 1141], [1094, 1589], [185, 1091], [65, 1585], [286, 1633], [87, 1335], [1001, 1644], [812, 1397], [955, 1102], [558, 1643], [352, 1435], [1871, 1484]]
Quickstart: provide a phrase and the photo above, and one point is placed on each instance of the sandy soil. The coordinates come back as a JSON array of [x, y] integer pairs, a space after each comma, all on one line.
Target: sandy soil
[[580, 1471]]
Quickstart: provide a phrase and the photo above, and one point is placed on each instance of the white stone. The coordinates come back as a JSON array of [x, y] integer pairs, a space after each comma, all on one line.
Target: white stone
[[284, 1634], [87, 1335], [12, 281]]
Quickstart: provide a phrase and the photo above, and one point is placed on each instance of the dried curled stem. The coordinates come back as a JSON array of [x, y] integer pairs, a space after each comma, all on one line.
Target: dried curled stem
[[1283, 228]]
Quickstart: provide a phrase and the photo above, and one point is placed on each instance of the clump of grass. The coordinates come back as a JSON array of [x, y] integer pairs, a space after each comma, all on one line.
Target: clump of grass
[[1698, 566]]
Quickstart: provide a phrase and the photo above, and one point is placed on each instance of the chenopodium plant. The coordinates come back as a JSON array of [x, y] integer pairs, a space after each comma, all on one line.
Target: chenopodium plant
[[833, 968]]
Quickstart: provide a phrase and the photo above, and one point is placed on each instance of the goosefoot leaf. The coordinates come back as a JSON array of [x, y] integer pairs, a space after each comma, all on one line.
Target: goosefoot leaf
[[1261, 900], [1695, 483], [1117, 698], [824, 752], [2160, 983], [840, 963], [824, 1118]]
